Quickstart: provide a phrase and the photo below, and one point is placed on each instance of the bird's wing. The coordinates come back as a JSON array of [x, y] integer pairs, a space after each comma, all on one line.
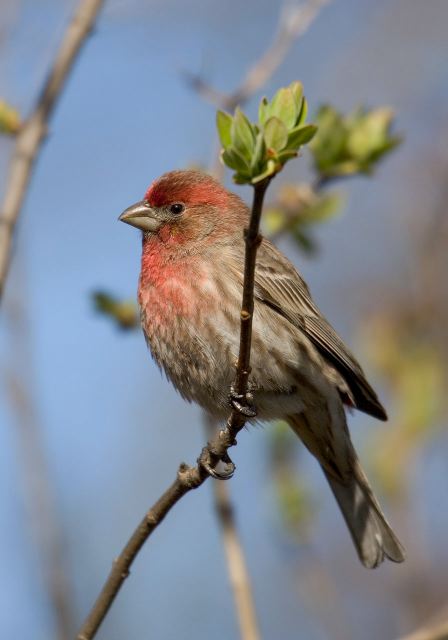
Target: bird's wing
[[278, 285]]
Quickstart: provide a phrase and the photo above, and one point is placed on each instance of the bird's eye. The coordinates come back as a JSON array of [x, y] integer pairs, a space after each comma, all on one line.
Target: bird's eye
[[177, 208]]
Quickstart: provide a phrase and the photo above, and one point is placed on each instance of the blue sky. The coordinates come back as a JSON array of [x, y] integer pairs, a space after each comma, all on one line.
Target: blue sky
[[113, 430]]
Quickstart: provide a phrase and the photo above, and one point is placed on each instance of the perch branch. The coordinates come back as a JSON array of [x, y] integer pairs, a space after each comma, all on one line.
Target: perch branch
[[33, 131]]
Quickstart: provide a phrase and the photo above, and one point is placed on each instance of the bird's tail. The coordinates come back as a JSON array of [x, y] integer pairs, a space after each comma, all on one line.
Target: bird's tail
[[373, 537], [371, 533]]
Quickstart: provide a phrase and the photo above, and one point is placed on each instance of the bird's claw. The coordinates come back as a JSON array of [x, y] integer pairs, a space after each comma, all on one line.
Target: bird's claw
[[243, 403], [228, 471]]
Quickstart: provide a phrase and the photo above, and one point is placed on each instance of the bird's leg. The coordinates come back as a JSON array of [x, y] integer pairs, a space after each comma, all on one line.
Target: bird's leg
[[243, 403], [205, 460]]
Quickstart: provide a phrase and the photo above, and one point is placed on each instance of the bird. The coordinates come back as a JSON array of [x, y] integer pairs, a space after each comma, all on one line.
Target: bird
[[190, 292]]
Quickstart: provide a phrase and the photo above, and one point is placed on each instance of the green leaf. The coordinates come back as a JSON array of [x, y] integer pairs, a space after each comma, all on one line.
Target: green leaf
[[224, 125], [303, 112], [263, 110], [301, 135], [235, 160], [275, 134], [284, 107], [258, 154], [271, 169], [243, 138], [240, 178], [286, 154], [297, 92]]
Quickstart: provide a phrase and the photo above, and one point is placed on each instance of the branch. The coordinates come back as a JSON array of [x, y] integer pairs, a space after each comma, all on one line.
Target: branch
[[236, 563], [294, 22], [33, 132], [214, 453]]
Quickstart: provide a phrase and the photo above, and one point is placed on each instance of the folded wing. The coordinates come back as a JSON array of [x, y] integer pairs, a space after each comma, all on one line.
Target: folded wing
[[278, 285]]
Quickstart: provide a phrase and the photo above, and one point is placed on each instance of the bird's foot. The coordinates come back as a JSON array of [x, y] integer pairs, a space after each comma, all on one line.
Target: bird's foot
[[243, 403], [213, 470]]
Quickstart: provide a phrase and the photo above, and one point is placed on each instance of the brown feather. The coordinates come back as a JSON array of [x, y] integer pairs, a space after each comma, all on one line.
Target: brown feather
[[284, 291]]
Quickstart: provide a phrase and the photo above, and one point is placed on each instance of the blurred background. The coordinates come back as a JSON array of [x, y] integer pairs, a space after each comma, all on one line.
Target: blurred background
[[91, 434]]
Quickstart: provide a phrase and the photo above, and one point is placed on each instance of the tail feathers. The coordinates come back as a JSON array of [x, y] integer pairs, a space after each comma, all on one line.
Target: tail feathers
[[373, 537]]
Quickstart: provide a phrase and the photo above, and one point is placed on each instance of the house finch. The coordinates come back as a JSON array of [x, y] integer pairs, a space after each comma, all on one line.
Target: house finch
[[190, 293]]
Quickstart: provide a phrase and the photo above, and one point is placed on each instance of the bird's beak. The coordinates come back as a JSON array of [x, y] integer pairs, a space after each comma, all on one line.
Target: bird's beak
[[141, 215]]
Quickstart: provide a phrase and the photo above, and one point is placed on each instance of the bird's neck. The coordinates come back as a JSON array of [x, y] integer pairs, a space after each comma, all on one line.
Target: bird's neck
[[167, 276]]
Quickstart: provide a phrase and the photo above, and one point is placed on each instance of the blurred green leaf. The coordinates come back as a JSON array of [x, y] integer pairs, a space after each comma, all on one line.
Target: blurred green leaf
[[123, 312], [415, 372], [297, 210], [351, 144], [9, 119]]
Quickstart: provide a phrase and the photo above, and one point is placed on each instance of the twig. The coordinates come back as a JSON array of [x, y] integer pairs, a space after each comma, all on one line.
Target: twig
[[33, 131], [236, 563], [189, 478], [294, 22]]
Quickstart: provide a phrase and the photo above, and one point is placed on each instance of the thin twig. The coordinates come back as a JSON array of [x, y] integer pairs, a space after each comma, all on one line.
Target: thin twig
[[34, 129], [189, 478], [294, 22], [236, 562]]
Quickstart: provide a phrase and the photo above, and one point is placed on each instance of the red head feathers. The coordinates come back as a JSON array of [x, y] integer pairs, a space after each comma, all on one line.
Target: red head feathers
[[189, 187]]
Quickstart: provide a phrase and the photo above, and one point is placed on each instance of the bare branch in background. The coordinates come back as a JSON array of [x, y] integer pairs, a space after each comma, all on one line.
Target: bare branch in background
[[236, 563], [40, 505], [37, 486], [212, 455], [34, 129], [43, 522], [294, 22]]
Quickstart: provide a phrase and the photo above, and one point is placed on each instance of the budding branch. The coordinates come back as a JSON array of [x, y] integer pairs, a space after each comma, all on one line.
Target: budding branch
[[189, 478]]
